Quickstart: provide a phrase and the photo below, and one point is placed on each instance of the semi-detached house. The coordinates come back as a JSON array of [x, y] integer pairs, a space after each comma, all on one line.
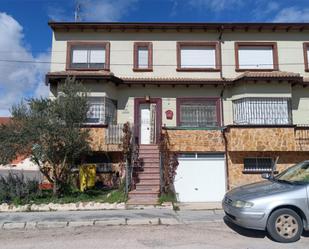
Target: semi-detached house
[[232, 97]]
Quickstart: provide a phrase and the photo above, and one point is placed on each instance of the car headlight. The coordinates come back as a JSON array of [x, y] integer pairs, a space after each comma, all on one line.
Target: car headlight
[[242, 204]]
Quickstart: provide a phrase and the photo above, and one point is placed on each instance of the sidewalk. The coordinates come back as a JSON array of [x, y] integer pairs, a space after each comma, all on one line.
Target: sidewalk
[[44, 220]]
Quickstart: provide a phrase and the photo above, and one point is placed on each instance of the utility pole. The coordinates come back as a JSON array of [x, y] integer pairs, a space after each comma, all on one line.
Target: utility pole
[[77, 11]]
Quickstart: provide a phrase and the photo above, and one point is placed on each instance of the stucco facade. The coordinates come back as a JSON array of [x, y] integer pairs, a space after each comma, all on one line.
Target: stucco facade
[[288, 141]]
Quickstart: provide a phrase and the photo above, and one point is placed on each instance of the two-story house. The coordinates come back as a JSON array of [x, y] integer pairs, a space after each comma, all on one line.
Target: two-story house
[[232, 97]]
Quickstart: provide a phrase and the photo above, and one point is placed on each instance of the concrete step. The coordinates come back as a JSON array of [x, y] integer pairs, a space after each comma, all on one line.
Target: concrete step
[[148, 155], [151, 165], [150, 160], [148, 147], [135, 202], [143, 196], [146, 182], [143, 176], [151, 170], [154, 187], [144, 192]]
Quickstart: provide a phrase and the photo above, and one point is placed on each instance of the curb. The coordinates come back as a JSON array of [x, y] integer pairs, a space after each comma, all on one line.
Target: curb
[[41, 225]]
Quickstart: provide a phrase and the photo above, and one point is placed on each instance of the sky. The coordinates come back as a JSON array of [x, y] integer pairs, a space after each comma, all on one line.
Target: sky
[[25, 35]]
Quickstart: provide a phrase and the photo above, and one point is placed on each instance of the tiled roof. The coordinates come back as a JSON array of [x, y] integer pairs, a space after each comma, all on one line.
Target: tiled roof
[[101, 74], [162, 26], [4, 120], [80, 73], [249, 75], [273, 74], [176, 80]]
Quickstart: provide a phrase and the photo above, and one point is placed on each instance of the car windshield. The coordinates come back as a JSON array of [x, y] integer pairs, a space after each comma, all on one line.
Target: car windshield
[[298, 174]]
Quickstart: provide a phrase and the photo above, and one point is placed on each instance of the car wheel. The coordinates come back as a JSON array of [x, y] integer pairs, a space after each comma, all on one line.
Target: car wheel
[[285, 225]]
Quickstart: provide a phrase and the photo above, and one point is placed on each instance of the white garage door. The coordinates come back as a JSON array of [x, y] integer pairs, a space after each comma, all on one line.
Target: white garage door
[[200, 178]]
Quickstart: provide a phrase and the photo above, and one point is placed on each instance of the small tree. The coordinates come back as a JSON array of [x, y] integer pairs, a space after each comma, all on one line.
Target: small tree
[[51, 132]]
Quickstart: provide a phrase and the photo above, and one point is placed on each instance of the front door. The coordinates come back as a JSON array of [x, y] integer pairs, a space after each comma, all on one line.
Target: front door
[[147, 123]]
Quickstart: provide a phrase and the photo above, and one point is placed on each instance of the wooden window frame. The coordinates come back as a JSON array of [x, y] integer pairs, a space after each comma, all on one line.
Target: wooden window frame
[[257, 44], [306, 59], [217, 47], [89, 44], [182, 100], [137, 45]]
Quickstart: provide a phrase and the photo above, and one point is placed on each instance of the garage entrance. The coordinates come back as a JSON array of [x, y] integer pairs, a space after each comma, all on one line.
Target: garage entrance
[[200, 177]]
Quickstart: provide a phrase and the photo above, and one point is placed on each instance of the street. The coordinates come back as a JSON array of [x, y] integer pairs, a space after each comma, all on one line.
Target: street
[[212, 235]]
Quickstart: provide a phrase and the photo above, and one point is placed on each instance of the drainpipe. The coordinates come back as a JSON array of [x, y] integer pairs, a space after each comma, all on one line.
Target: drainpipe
[[221, 29], [226, 157], [222, 115]]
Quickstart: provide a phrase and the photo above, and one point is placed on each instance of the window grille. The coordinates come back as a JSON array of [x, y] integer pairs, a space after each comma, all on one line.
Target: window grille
[[258, 165], [195, 114], [262, 111], [101, 110]]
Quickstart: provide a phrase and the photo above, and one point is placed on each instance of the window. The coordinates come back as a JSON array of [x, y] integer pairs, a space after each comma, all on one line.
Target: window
[[102, 110], [198, 56], [306, 56], [262, 111], [258, 165], [142, 56], [256, 56], [198, 112], [88, 56]]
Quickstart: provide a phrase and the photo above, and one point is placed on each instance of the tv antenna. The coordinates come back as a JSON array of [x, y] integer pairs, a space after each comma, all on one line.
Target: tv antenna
[[77, 11]]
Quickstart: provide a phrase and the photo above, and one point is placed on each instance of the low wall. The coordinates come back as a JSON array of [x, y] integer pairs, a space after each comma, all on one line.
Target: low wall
[[98, 143], [261, 139], [196, 140]]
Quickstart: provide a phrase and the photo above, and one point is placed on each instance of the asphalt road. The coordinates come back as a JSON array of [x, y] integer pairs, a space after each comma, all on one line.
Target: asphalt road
[[214, 235]]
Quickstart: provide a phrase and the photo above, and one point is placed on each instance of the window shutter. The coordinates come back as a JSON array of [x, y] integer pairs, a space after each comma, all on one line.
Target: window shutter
[[97, 55], [143, 57], [307, 56], [79, 55], [198, 57], [256, 57]]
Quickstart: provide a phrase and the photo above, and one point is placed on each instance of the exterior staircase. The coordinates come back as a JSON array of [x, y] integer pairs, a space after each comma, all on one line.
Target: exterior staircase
[[148, 184]]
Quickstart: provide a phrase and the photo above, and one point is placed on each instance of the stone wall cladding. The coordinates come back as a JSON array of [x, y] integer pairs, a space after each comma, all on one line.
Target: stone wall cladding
[[196, 140], [236, 166], [98, 143], [302, 138], [261, 139]]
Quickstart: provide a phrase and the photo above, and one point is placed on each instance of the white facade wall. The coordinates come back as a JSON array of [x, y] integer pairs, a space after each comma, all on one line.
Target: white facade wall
[[290, 54], [290, 50]]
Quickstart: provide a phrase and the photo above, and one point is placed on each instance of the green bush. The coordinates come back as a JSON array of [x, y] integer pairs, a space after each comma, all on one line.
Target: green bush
[[15, 189]]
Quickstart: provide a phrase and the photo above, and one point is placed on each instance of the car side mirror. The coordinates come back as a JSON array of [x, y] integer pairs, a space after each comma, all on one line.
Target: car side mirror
[[266, 176]]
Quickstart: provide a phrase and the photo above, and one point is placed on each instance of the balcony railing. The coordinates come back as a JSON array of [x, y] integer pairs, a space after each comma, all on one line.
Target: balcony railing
[[114, 134]]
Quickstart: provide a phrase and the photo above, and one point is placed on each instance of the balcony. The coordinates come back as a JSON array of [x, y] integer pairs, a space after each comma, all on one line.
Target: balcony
[[106, 138], [268, 138]]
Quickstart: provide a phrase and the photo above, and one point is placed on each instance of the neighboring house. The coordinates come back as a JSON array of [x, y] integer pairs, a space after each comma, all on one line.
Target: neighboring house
[[232, 97], [21, 162]]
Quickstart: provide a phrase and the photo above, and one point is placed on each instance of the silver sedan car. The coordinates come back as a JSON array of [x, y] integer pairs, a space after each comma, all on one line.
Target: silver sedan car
[[279, 205]]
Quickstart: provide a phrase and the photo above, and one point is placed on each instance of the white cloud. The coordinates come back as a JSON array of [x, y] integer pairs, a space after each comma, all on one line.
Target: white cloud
[[95, 10], [216, 5], [18, 80], [292, 14]]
